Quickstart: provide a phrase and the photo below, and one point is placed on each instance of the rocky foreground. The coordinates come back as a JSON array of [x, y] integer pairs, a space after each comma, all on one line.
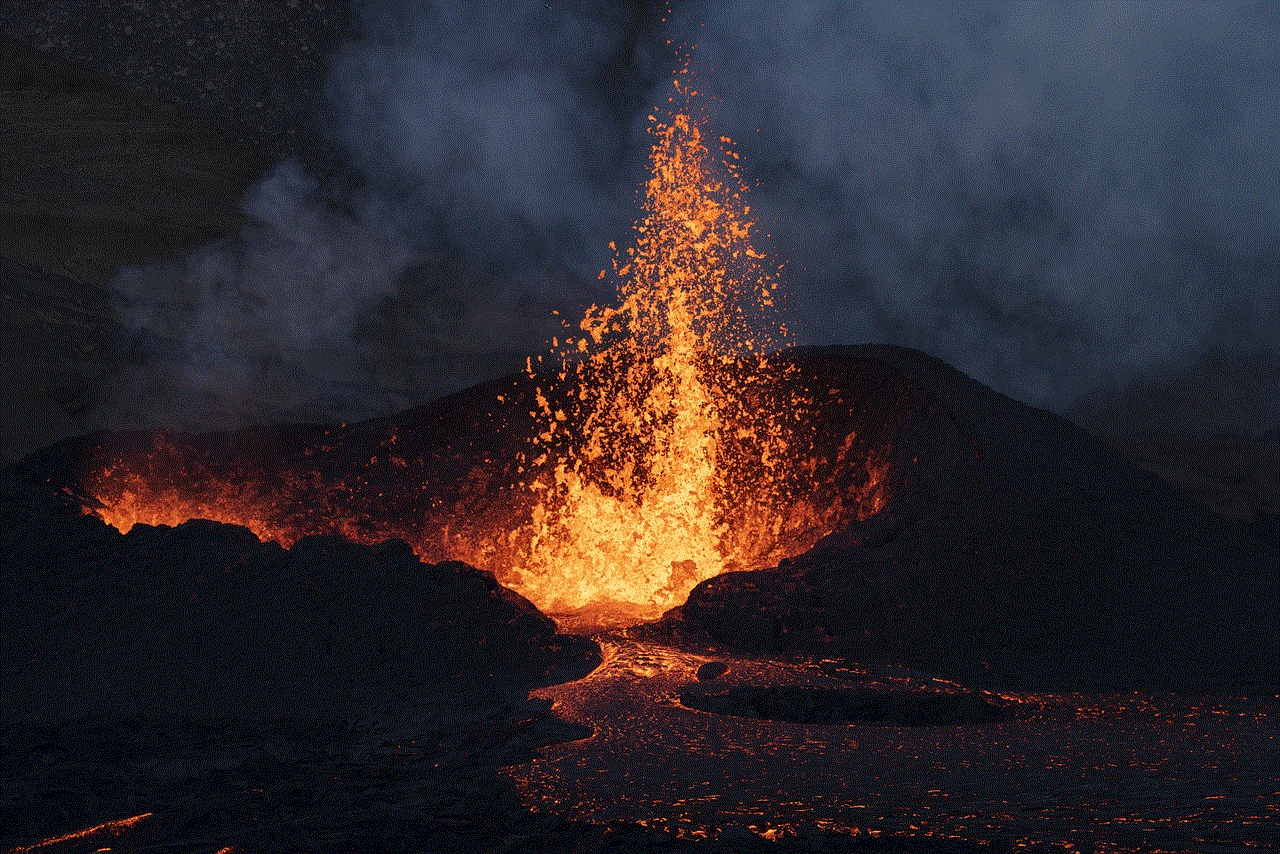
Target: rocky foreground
[[205, 621]]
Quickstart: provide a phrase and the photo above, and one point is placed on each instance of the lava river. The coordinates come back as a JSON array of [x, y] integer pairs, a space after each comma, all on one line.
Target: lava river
[[1124, 772]]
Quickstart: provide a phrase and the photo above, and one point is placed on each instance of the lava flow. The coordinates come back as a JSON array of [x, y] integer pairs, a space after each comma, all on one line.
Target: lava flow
[[669, 440]]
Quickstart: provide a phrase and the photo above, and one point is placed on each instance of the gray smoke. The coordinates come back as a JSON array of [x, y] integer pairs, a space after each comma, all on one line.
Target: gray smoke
[[1061, 199], [1078, 204], [259, 329], [495, 156], [492, 120]]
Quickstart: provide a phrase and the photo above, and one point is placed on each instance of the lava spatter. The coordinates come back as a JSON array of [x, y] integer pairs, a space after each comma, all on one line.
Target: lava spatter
[[673, 461]]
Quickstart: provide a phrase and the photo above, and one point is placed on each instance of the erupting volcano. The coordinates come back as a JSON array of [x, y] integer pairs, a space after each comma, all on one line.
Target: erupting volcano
[[664, 442], [683, 582]]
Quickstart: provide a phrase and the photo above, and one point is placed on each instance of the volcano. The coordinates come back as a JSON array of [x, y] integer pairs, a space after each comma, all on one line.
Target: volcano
[[988, 541], [677, 584]]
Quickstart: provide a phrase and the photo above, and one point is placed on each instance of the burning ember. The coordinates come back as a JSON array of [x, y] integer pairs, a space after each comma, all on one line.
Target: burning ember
[[666, 442]]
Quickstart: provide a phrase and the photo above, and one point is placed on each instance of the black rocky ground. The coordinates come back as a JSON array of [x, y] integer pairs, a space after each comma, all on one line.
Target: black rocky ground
[[203, 620], [326, 697]]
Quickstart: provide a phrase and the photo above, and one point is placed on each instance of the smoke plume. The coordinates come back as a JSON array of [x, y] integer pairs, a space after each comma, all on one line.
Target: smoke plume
[[1077, 204]]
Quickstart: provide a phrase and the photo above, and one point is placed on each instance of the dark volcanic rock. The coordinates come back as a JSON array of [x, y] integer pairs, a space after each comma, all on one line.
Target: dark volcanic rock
[[95, 176], [1038, 557], [800, 704], [712, 670], [204, 620]]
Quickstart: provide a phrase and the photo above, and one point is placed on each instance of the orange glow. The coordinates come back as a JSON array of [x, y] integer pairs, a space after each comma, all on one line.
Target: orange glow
[[674, 461], [663, 441], [110, 828]]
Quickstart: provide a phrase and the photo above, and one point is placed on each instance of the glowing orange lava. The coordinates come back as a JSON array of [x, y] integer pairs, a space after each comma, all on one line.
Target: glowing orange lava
[[666, 443]]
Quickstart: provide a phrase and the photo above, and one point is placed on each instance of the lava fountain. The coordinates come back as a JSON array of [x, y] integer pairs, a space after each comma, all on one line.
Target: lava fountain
[[665, 436], [664, 440]]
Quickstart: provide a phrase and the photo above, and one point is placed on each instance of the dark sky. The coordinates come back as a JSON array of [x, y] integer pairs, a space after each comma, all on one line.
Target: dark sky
[[1077, 204]]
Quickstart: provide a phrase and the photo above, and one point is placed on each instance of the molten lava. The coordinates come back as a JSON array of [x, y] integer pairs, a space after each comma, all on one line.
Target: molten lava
[[663, 446], [671, 442]]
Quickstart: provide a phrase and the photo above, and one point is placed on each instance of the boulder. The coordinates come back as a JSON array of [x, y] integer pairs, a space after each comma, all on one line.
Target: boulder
[[712, 670]]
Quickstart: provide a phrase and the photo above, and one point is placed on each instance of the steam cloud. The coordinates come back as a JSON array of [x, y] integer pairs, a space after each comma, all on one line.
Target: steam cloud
[[1076, 204]]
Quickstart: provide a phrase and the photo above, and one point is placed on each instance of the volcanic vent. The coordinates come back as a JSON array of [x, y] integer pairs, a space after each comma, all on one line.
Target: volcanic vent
[[663, 441]]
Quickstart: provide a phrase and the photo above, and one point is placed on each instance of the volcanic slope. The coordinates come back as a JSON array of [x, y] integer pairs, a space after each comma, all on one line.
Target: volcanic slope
[[1010, 547], [1040, 559], [203, 621]]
